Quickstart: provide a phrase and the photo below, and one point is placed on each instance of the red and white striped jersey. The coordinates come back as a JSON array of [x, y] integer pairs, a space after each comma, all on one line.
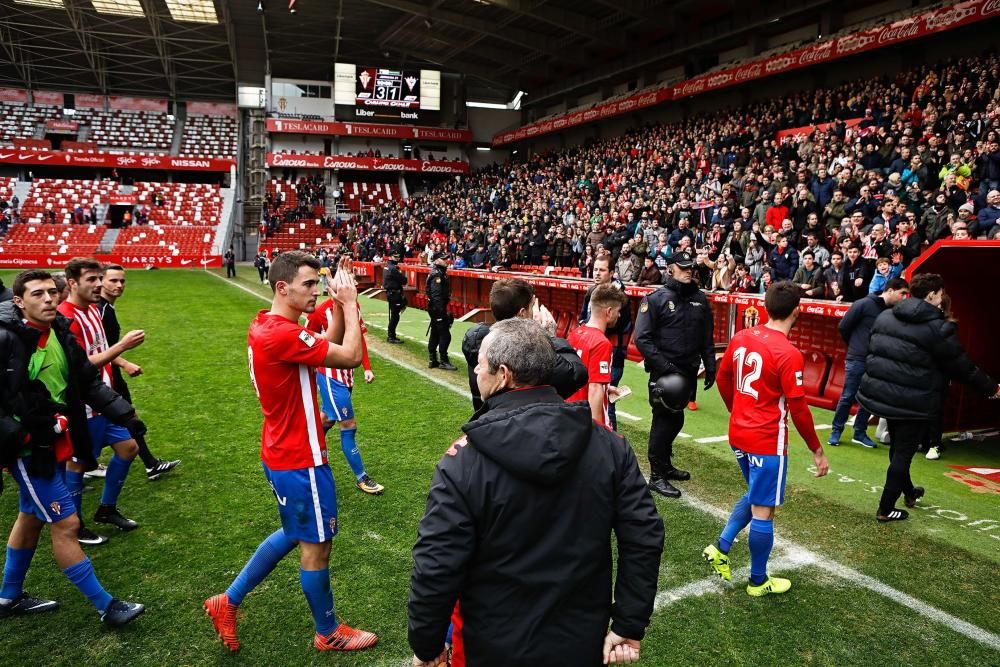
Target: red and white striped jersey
[[88, 328], [317, 322]]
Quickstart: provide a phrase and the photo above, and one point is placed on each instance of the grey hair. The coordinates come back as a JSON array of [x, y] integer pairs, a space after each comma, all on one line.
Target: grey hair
[[523, 347]]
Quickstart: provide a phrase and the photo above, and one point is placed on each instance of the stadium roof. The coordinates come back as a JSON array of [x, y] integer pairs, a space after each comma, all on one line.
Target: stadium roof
[[201, 48]]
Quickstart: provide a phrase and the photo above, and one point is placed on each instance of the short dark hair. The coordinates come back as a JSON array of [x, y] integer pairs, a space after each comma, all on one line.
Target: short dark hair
[[895, 284], [26, 277], [606, 295], [113, 267], [603, 258], [508, 296], [808, 253], [286, 266], [925, 283], [77, 266], [837, 253], [781, 299]]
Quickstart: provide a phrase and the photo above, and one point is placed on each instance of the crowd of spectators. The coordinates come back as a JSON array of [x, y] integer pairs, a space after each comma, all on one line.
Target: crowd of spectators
[[905, 160], [309, 204]]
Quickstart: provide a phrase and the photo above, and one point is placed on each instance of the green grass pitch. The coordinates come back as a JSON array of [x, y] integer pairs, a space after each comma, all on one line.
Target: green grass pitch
[[200, 523]]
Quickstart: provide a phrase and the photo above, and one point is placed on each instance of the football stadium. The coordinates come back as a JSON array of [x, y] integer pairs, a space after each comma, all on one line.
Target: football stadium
[[499, 332]]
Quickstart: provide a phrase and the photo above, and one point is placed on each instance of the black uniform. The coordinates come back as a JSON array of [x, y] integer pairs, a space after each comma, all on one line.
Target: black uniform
[[913, 353], [673, 331], [438, 296], [230, 261], [518, 530], [568, 375], [113, 331], [393, 282]]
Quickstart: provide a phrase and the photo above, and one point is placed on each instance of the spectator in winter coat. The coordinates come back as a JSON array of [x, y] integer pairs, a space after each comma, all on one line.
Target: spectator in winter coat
[[809, 276], [650, 274], [784, 260], [833, 277], [989, 217]]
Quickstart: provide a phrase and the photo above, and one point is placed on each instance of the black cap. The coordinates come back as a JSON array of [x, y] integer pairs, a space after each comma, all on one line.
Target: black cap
[[439, 255], [682, 259]]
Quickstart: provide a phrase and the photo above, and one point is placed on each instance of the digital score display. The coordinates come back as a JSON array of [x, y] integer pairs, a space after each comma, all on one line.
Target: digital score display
[[377, 93]]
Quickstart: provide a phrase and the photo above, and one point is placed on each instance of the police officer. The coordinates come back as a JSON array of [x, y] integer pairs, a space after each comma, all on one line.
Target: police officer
[[438, 296], [673, 331], [393, 282]]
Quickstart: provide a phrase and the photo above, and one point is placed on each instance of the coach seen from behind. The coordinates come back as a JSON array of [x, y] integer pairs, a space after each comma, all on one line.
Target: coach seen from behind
[[913, 353], [518, 527]]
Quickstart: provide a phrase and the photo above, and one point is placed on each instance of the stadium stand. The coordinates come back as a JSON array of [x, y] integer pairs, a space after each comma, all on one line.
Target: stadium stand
[[66, 241], [209, 136], [197, 204], [930, 131], [117, 128], [165, 239], [22, 121], [366, 195], [56, 200]]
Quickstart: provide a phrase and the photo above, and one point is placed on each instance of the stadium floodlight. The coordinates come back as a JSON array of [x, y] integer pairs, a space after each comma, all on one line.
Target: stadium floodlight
[[119, 7], [193, 11], [260, 6]]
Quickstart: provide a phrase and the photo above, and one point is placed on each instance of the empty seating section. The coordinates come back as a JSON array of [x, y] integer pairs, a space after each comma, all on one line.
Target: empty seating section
[[6, 188], [116, 128], [60, 240], [209, 136], [197, 204], [21, 121], [63, 196], [305, 234], [358, 195], [165, 240]]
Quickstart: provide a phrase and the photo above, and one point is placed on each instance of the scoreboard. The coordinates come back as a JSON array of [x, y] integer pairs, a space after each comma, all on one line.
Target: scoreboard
[[398, 89], [377, 93]]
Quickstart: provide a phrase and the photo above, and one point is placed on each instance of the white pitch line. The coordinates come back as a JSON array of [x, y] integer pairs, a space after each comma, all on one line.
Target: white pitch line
[[954, 623], [715, 438], [627, 415], [793, 560]]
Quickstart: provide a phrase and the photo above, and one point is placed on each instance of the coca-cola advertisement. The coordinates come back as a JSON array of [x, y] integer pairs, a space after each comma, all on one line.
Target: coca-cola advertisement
[[46, 97], [211, 109], [13, 95], [600, 111], [137, 104], [921, 25], [293, 161]]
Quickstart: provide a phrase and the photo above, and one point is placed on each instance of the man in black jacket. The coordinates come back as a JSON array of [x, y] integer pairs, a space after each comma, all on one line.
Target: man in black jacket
[[393, 282], [43, 423], [514, 297], [518, 526], [856, 329], [914, 351], [674, 333], [438, 296]]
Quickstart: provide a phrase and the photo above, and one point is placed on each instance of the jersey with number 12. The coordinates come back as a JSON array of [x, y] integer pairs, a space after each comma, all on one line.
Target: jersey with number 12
[[766, 371]]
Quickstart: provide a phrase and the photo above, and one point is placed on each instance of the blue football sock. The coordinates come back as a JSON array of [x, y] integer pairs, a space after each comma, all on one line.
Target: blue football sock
[[761, 541], [74, 485], [114, 480], [351, 453], [268, 555], [82, 576], [316, 586], [738, 520], [14, 570]]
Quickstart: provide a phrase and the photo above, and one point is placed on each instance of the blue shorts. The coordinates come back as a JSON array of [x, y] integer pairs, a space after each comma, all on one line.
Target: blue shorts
[[104, 434], [335, 398], [765, 477], [47, 499], [307, 502]]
